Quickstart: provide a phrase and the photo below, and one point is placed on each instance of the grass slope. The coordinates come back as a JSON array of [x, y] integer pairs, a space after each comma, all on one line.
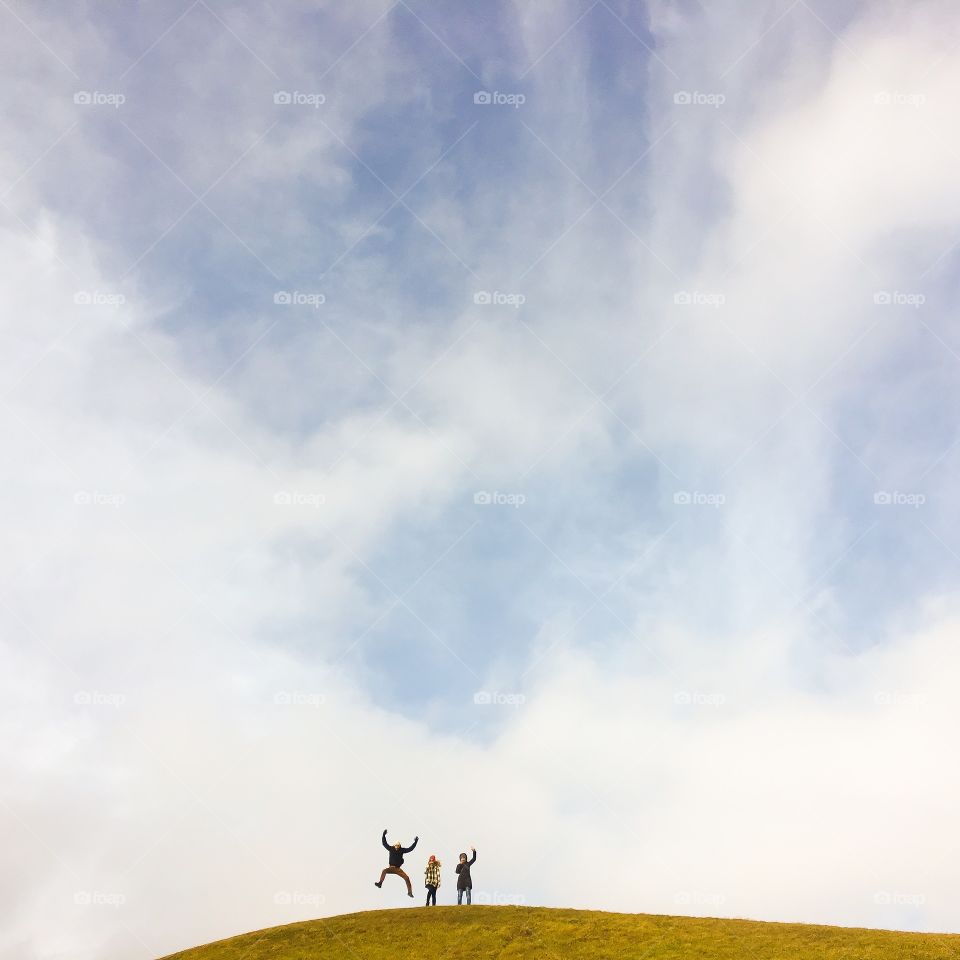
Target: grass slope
[[483, 933]]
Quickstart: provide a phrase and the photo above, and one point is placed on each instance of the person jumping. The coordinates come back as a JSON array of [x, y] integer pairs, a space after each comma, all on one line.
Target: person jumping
[[396, 862], [431, 879], [464, 883]]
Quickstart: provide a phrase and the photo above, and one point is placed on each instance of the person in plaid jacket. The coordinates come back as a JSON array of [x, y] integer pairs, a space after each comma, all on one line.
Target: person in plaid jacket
[[431, 878]]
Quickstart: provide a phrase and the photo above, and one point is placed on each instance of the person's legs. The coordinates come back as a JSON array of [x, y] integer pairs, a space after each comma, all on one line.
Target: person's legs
[[399, 872], [459, 896], [469, 892], [393, 870]]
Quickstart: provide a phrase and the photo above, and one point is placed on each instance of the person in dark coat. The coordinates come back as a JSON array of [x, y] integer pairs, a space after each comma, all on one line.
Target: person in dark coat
[[396, 862], [464, 881]]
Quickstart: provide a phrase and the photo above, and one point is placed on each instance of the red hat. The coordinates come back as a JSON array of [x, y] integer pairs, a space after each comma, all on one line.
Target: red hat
[[432, 858]]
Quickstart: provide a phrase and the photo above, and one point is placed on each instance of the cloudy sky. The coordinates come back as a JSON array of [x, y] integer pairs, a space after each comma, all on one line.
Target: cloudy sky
[[525, 425]]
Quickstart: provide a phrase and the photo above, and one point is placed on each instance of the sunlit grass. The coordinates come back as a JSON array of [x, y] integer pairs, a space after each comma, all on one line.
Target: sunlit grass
[[451, 933]]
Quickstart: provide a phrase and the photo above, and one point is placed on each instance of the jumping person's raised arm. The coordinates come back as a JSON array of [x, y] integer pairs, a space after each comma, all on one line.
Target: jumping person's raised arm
[[412, 845], [383, 840]]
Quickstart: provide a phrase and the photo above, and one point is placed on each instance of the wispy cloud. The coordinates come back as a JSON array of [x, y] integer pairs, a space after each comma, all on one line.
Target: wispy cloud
[[557, 400]]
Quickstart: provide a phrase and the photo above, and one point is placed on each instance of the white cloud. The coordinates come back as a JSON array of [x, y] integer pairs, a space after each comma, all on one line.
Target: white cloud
[[719, 736]]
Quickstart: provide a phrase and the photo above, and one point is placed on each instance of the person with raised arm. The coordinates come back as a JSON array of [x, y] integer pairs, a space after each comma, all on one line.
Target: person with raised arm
[[396, 862], [464, 881]]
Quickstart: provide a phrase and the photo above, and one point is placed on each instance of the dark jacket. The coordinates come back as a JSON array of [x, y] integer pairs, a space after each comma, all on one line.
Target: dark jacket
[[396, 856], [463, 873]]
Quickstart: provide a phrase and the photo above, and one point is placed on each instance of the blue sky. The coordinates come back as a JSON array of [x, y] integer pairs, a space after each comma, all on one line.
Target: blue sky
[[677, 302]]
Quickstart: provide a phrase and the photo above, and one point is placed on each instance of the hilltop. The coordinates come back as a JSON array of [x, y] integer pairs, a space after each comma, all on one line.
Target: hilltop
[[524, 933]]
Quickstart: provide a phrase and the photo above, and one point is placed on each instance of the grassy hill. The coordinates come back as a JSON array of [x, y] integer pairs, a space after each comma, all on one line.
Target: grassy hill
[[484, 933]]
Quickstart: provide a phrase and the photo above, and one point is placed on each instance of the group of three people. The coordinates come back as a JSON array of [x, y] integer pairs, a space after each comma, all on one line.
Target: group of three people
[[432, 873]]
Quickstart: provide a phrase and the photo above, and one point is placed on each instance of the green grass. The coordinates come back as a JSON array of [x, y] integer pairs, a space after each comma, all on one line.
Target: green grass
[[484, 933]]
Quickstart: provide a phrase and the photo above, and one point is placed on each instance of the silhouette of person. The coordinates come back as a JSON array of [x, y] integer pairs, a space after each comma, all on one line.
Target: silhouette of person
[[396, 862]]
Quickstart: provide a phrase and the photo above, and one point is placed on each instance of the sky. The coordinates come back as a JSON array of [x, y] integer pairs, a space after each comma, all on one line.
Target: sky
[[529, 426]]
